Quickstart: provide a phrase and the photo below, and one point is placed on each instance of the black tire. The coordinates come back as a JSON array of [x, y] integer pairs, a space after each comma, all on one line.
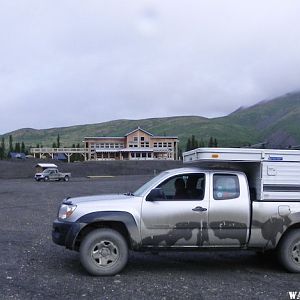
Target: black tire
[[66, 178], [103, 252], [289, 251], [46, 178]]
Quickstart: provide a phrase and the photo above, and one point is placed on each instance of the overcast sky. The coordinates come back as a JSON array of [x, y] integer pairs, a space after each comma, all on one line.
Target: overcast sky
[[75, 62]]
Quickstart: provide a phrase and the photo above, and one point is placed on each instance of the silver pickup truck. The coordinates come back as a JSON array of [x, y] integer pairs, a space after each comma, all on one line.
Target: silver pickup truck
[[191, 208], [52, 174]]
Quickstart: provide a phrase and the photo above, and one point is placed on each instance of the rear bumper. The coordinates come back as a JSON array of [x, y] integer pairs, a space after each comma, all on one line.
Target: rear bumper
[[65, 233]]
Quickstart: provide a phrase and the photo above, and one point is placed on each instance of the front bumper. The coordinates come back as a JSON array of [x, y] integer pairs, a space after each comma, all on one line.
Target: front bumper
[[65, 233]]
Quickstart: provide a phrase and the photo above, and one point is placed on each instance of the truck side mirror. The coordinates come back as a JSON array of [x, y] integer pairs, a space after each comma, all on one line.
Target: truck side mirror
[[156, 194]]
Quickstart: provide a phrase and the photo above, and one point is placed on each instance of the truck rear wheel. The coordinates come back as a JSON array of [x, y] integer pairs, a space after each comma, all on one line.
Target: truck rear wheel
[[289, 251], [66, 178], [103, 252]]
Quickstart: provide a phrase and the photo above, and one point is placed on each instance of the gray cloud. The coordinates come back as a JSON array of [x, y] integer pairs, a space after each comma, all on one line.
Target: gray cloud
[[75, 62]]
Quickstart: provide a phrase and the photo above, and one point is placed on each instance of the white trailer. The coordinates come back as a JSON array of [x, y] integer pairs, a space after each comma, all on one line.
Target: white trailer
[[273, 175]]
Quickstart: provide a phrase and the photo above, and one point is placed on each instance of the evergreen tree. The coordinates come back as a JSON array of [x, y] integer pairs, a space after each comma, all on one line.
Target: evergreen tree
[[54, 145], [23, 150], [11, 149], [179, 154], [3, 144], [58, 141], [37, 145], [17, 148], [211, 142], [201, 144], [215, 143], [2, 148], [188, 145], [194, 143]]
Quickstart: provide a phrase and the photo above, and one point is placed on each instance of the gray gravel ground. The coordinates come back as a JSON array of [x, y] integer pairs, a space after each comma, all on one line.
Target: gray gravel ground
[[33, 267]]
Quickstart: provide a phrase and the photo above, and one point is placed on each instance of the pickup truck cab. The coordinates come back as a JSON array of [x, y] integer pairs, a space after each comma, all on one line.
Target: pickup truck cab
[[52, 174], [184, 209]]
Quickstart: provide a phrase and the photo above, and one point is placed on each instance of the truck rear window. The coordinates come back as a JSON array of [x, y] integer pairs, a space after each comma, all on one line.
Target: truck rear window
[[226, 186]]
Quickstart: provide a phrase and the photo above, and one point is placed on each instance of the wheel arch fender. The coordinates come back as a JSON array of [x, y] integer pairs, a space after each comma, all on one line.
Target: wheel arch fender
[[121, 221], [287, 231]]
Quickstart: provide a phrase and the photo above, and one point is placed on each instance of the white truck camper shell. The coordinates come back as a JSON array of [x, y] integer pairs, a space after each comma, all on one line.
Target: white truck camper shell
[[273, 175]]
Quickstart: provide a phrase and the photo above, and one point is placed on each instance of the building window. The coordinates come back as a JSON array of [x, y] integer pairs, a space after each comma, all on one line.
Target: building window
[[135, 139], [145, 144], [165, 145], [142, 138], [155, 145], [160, 145]]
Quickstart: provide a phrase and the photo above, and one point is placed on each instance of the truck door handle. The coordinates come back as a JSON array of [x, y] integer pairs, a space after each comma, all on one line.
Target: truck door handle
[[199, 208]]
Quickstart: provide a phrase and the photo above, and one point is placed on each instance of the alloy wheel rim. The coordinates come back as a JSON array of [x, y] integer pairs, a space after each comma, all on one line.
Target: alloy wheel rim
[[296, 252], [105, 254]]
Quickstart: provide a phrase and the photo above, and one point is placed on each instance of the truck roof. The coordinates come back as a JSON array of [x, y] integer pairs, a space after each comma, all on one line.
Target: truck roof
[[45, 165], [197, 170]]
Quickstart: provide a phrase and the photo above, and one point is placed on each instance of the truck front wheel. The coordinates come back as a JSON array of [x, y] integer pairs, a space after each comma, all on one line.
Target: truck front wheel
[[66, 178], [103, 252], [289, 251]]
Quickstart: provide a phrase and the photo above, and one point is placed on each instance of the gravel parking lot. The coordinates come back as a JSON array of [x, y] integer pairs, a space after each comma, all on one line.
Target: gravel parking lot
[[33, 267]]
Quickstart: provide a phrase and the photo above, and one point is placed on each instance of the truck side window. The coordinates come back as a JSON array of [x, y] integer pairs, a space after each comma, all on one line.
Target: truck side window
[[184, 187], [226, 186]]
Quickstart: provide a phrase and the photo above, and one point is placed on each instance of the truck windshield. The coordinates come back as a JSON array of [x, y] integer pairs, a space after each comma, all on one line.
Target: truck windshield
[[48, 170], [140, 192]]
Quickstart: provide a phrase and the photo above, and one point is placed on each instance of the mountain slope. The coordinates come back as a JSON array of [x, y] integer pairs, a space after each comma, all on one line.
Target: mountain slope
[[276, 122]]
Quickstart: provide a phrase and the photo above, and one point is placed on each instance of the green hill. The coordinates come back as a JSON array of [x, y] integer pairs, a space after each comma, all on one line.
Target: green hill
[[276, 122]]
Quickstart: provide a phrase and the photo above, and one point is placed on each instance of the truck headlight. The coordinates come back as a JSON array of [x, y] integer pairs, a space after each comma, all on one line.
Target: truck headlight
[[65, 211]]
